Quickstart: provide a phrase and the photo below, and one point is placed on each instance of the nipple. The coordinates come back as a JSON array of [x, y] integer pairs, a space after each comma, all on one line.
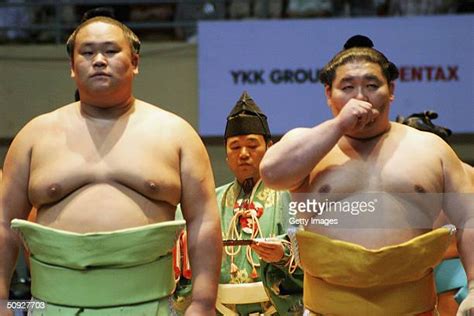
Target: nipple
[[152, 185], [54, 190], [326, 188]]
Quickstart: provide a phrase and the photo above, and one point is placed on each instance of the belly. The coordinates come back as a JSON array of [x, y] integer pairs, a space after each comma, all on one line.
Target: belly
[[372, 220], [104, 207]]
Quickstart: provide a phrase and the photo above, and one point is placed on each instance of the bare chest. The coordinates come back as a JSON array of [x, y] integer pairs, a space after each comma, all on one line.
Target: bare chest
[[386, 172], [64, 161]]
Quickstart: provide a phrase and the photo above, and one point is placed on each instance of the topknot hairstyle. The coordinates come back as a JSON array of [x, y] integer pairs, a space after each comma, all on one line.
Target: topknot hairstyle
[[101, 11], [358, 41], [358, 48], [423, 121]]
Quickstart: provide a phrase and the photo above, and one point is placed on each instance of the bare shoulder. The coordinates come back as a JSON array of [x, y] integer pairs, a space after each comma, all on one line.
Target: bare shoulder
[[173, 132], [413, 137], [165, 122], [40, 124], [427, 144], [156, 113], [18, 158]]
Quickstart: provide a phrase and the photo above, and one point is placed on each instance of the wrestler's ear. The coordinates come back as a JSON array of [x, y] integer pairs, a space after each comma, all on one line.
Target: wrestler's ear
[[391, 89], [71, 67], [135, 62], [328, 93]]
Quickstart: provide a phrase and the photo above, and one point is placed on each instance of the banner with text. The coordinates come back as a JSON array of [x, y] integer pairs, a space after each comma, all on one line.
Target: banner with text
[[277, 62]]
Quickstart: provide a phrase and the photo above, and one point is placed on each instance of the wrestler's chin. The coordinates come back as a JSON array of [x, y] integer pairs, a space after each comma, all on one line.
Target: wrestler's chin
[[361, 133], [101, 87], [366, 133]]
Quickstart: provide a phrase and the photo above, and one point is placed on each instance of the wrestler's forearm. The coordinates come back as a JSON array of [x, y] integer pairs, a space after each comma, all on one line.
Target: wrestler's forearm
[[466, 249], [205, 251], [8, 254], [291, 160]]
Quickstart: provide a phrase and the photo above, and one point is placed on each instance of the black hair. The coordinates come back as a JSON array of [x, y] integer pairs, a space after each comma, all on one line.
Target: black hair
[[105, 15], [358, 48]]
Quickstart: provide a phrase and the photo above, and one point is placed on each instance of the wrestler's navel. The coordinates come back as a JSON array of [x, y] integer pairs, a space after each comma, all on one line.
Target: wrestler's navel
[[419, 189]]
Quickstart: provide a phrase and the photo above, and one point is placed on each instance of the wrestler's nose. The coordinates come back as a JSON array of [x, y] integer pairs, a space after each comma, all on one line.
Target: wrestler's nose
[[361, 94], [99, 60]]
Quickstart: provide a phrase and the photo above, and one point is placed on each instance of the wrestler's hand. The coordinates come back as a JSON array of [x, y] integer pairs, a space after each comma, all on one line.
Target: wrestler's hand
[[355, 115], [4, 310], [467, 306], [269, 251], [197, 309]]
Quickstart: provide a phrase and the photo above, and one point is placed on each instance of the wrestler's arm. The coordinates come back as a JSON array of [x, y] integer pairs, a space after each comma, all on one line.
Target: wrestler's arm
[[14, 202], [459, 207], [199, 208], [288, 163], [470, 171]]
